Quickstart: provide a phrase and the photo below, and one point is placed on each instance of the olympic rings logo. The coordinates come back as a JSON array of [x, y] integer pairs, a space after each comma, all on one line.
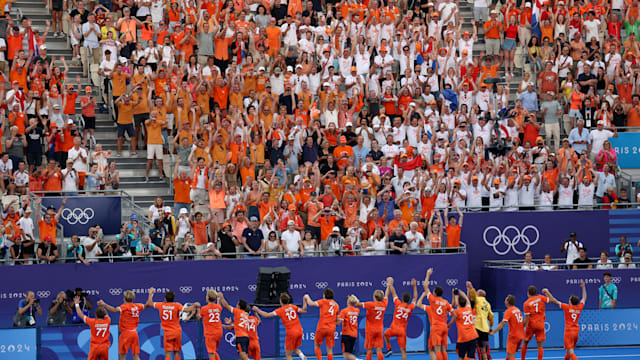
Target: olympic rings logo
[[43, 294], [115, 291], [77, 215], [322, 285], [547, 327], [383, 283], [510, 238], [252, 287], [452, 282], [230, 338], [616, 280], [185, 289]]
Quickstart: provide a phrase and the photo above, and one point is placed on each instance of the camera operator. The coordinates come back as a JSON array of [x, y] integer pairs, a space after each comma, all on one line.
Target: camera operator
[[59, 309], [27, 310], [85, 304]]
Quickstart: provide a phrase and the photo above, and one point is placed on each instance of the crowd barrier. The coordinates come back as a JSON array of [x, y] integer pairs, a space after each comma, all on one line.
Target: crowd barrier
[[359, 275], [562, 283], [509, 235], [597, 328]]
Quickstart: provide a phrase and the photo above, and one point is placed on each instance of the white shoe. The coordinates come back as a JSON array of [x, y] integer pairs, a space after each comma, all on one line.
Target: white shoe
[[302, 357]]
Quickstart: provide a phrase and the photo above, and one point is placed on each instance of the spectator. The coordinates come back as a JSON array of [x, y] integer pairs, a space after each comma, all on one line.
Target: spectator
[[582, 262], [76, 251], [604, 263], [145, 249], [608, 293], [28, 309], [92, 243], [548, 265], [291, 241], [627, 263], [528, 265], [252, 238], [623, 248]]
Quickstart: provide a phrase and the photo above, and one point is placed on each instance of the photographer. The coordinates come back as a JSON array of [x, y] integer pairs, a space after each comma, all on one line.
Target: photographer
[[85, 304], [58, 310], [27, 310]]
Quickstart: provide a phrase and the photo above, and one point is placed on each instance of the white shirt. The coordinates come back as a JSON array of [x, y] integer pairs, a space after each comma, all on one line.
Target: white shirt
[[495, 201], [526, 195], [573, 251], [545, 201], [474, 197], [79, 164], [414, 240], [597, 139], [380, 246], [291, 239], [586, 194], [601, 266], [565, 196], [529, 267], [90, 255], [69, 182], [26, 226], [21, 178]]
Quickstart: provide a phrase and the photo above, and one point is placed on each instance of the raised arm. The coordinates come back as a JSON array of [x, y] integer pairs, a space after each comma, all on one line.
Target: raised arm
[[263, 313], [224, 302], [76, 300], [149, 302], [108, 307], [547, 293], [307, 299], [426, 281]]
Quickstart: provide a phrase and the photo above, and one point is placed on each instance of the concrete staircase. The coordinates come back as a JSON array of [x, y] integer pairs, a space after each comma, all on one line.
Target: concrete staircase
[[132, 169]]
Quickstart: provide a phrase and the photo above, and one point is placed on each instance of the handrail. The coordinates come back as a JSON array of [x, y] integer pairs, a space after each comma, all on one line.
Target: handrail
[[206, 256], [517, 263]]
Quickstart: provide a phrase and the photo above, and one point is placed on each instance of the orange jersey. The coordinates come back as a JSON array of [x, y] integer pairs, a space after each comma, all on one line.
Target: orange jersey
[[289, 316], [129, 316], [441, 309], [375, 314], [169, 315], [401, 314], [210, 315], [253, 328], [240, 323], [535, 307], [99, 330], [349, 317], [465, 322], [513, 316], [571, 316], [329, 310]]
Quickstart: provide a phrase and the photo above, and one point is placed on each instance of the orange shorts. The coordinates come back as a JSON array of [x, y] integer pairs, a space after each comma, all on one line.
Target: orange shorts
[[326, 335], [172, 340], [373, 339], [570, 339], [399, 333], [99, 352], [212, 343], [293, 340], [536, 330], [513, 345], [438, 336], [128, 340], [81, 177], [254, 349]]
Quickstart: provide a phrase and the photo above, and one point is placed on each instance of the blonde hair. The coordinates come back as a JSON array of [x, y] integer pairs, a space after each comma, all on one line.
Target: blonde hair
[[212, 295], [129, 296], [352, 299], [378, 295]]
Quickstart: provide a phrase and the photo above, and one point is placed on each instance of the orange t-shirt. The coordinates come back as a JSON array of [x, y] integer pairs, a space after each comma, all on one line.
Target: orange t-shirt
[[375, 314], [253, 331], [535, 307], [349, 316], [154, 132], [129, 316], [70, 106], [18, 120], [465, 323], [200, 232], [513, 317], [48, 230], [99, 330], [571, 316], [54, 183], [453, 235], [289, 316], [401, 314], [328, 313], [240, 323], [210, 314], [442, 308], [169, 316]]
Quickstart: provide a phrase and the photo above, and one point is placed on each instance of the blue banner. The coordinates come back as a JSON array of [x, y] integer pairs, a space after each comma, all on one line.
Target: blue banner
[[72, 342], [190, 280], [562, 284], [82, 212], [18, 344], [509, 235], [627, 147]]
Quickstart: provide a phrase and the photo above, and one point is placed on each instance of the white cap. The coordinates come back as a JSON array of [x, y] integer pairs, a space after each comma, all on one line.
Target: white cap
[[291, 222], [530, 84], [261, 68], [290, 68], [527, 4], [298, 66], [43, 47], [336, 229], [167, 209], [70, 121], [412, 104], [600, 122], [348, 124], [326, 84], [183, 211]]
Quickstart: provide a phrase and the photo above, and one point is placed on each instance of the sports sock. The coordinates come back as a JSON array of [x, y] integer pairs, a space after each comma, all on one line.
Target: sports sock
[[439, 356], [318, 353], [540, 353], [330, 356], [176, 357], [444, 355], [524, 350], [567, 356], [369, 356], [573, 356], [388, 346], [380, 356]]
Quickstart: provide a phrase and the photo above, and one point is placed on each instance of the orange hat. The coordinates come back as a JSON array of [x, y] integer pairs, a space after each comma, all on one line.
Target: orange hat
[[539, 138], [465, 164], [483, 85], [466, 33], [474, 177], [533, 167], [465, 52], [457, 182], [88, 89], [496, 181], [353, 68], [225, 225], [383, 48], [527, 177], [292, 207], [343, 139], [442, 50], [435, 13]]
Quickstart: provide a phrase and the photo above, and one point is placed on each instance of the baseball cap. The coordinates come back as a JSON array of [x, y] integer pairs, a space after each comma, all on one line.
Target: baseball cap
[[496, 181], [291, 222], [343, 138], [261, 68], [48, 238], [292, 207], [600, 122], [88, 89], [353, 68], [527, 5], [167, 209], [572, 234], [290, 68], [225, 225], [133, 217], [336, 229], [43, 47], [183, 211], [348, 124], [253, 218]]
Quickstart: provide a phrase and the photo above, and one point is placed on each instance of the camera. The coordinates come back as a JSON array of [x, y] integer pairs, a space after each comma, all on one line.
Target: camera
[[456, 291], [36, 301]]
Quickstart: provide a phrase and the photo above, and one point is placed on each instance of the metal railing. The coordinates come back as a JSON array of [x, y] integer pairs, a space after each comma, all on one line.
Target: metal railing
[[239, 255], [519, 264]]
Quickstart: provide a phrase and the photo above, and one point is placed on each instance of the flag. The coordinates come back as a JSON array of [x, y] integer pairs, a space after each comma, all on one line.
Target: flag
[[536, 18]]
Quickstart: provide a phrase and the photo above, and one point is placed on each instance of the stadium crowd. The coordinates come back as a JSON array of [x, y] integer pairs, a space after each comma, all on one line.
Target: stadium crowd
[[296, 127]]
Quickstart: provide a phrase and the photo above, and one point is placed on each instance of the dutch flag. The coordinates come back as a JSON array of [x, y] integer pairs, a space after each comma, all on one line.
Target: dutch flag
[[535, 18]]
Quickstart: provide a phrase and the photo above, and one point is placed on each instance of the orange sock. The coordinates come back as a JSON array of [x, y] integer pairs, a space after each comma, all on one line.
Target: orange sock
[[573, 357], [369, 356], [381, 356], [524, 350], [330, 356], [540, 353], [444, 355], [318, 353], [217, 356], [567, 356], [176, 356], [167, 357], [439, 356]]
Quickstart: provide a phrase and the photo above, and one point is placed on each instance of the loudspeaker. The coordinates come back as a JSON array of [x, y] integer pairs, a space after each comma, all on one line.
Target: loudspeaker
[[271, 283]]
